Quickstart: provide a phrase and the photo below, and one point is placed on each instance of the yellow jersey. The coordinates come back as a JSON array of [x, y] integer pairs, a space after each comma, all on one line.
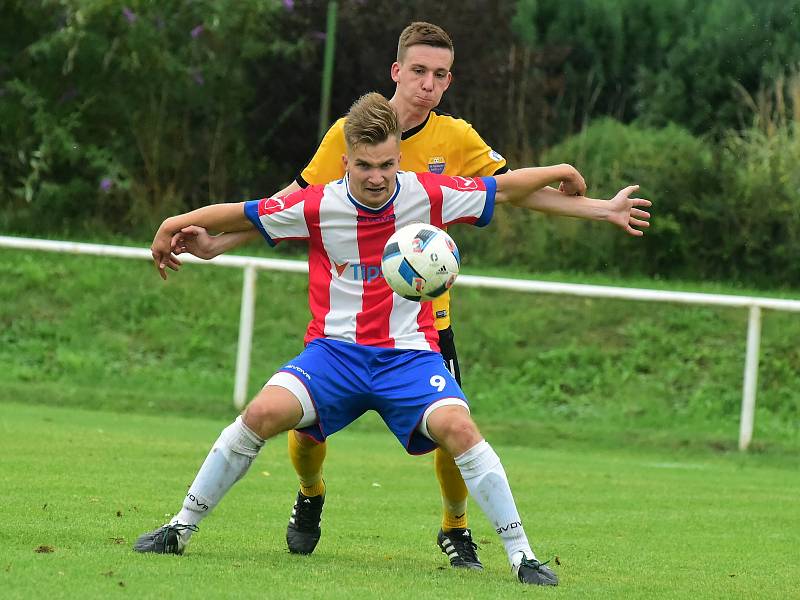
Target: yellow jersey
[[441, 144]]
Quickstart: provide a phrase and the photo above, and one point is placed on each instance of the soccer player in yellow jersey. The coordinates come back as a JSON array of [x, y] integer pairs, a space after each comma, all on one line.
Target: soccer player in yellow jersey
[[431, 141]]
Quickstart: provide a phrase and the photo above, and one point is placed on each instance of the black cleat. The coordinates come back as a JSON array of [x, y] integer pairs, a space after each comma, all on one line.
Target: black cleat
[[535, 573], [457, 544], [304, 531], [164, 540]]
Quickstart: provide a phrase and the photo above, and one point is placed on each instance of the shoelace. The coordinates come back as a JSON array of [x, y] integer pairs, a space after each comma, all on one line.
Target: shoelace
[[465, 548], [178, 528], [306, 520], [532, 563]]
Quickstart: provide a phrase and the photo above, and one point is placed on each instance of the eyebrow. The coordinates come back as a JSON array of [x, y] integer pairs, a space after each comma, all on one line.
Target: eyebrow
[[369, 164], [421, 66]]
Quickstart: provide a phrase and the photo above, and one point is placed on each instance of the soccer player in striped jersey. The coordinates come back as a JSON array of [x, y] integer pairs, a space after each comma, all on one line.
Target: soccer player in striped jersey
[[431, 141], [366, 347]]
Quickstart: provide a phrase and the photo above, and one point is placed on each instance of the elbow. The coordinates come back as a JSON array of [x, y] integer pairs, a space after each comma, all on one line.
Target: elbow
[[504, 198]]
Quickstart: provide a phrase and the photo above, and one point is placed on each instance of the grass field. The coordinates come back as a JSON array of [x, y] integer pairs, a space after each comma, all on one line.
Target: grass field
[[78, 487], [107, 333], [616, 421]]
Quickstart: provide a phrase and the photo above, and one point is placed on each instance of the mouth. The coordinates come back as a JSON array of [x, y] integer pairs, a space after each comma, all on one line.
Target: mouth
[[375, 190]]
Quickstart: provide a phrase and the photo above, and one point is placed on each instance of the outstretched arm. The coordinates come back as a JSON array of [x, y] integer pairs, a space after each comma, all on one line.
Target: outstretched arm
[[218, 217], [622, 210], [515, 186], [196, 240]]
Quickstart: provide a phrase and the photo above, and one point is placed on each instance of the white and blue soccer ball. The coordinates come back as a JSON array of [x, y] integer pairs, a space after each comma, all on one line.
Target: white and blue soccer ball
[[420, 262]]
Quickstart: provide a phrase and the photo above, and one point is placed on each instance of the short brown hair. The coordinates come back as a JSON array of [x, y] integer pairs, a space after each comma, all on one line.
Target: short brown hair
[[371, 120], [423, 33]]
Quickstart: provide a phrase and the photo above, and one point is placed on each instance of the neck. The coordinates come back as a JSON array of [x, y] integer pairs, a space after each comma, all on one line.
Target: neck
[[408, 116], [369, 204]]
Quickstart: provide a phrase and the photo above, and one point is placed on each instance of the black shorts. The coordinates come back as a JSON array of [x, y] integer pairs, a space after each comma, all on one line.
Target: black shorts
[[447, 347]]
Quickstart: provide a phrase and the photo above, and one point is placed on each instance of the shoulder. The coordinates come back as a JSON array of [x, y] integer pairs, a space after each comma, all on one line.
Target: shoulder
[[338, 125], [336, 131], [309, 195], [455, 128], [448, 121], [454, 182]]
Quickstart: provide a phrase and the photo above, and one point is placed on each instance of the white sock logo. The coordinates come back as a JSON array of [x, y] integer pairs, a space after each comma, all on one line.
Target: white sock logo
[[510, 526]]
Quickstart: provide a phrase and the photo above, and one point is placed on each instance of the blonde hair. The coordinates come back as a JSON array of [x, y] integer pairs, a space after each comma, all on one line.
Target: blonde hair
[[426, 34], [371, 120]]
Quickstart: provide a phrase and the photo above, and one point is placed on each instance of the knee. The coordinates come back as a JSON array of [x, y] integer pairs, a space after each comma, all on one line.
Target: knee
[[259, 417], [456, 434], [268, 418]]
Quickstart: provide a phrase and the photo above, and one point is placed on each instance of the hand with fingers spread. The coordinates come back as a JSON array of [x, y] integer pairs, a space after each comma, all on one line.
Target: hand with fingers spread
[[625, 212]]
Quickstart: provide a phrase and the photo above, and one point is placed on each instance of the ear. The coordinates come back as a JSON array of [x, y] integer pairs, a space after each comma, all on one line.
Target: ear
[[395, 71], [344, 161], [449, 80]]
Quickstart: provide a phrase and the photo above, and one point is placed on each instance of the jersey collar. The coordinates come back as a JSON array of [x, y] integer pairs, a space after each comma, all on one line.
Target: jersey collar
[[366, 208], [415, 130]]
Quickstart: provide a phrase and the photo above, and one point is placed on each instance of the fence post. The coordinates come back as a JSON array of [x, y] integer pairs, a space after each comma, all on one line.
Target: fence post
[[245, 336], [750, 377]]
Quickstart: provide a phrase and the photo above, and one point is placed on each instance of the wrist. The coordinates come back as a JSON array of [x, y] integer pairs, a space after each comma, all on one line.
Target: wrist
[[602, 209], [216, 244], [567, 172], [169, 226]]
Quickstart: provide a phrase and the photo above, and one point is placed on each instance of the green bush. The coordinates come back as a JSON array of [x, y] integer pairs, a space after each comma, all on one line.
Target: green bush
[[725, 212], [673, 61], [675, 171], [761, 225], [122, 112]]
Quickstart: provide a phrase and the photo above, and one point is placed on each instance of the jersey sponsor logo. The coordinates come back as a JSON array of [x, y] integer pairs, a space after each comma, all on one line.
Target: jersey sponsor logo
[[367, 273], [269, 206], [436, 164], [358, 271], [465, 184], [441, 314], [496, 156]]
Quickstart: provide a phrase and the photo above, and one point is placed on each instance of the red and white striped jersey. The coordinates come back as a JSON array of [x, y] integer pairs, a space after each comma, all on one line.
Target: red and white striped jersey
[[349, 299]]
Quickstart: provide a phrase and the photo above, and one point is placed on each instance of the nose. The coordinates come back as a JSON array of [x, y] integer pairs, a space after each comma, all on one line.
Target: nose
[[427, 82], [375, 177]]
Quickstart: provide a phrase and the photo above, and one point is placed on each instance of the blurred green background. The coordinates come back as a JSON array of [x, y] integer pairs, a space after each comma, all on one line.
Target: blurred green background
[[116, 113]]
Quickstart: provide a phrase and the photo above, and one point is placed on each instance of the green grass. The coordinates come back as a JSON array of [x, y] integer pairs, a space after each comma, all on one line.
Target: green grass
[[550, 370], [624, 523]]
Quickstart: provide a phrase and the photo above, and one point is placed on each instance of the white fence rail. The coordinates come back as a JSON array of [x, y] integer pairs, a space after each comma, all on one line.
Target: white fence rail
[[252, 264]]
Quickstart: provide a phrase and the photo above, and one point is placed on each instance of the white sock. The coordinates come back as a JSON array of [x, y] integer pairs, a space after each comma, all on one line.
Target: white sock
[[487, 483], [228, 461]]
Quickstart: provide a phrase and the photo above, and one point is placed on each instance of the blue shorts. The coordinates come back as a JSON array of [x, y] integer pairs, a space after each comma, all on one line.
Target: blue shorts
[[345, 380]]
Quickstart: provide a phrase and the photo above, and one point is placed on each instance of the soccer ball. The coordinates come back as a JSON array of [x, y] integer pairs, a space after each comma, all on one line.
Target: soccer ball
[[420, 262]]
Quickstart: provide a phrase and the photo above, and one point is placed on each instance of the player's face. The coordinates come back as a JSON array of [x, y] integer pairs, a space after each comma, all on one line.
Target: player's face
[[423, 76], [373, 171]]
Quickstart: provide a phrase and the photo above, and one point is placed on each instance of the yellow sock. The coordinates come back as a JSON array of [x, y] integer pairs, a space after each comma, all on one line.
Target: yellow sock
[[307, 457], [454, 491]]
